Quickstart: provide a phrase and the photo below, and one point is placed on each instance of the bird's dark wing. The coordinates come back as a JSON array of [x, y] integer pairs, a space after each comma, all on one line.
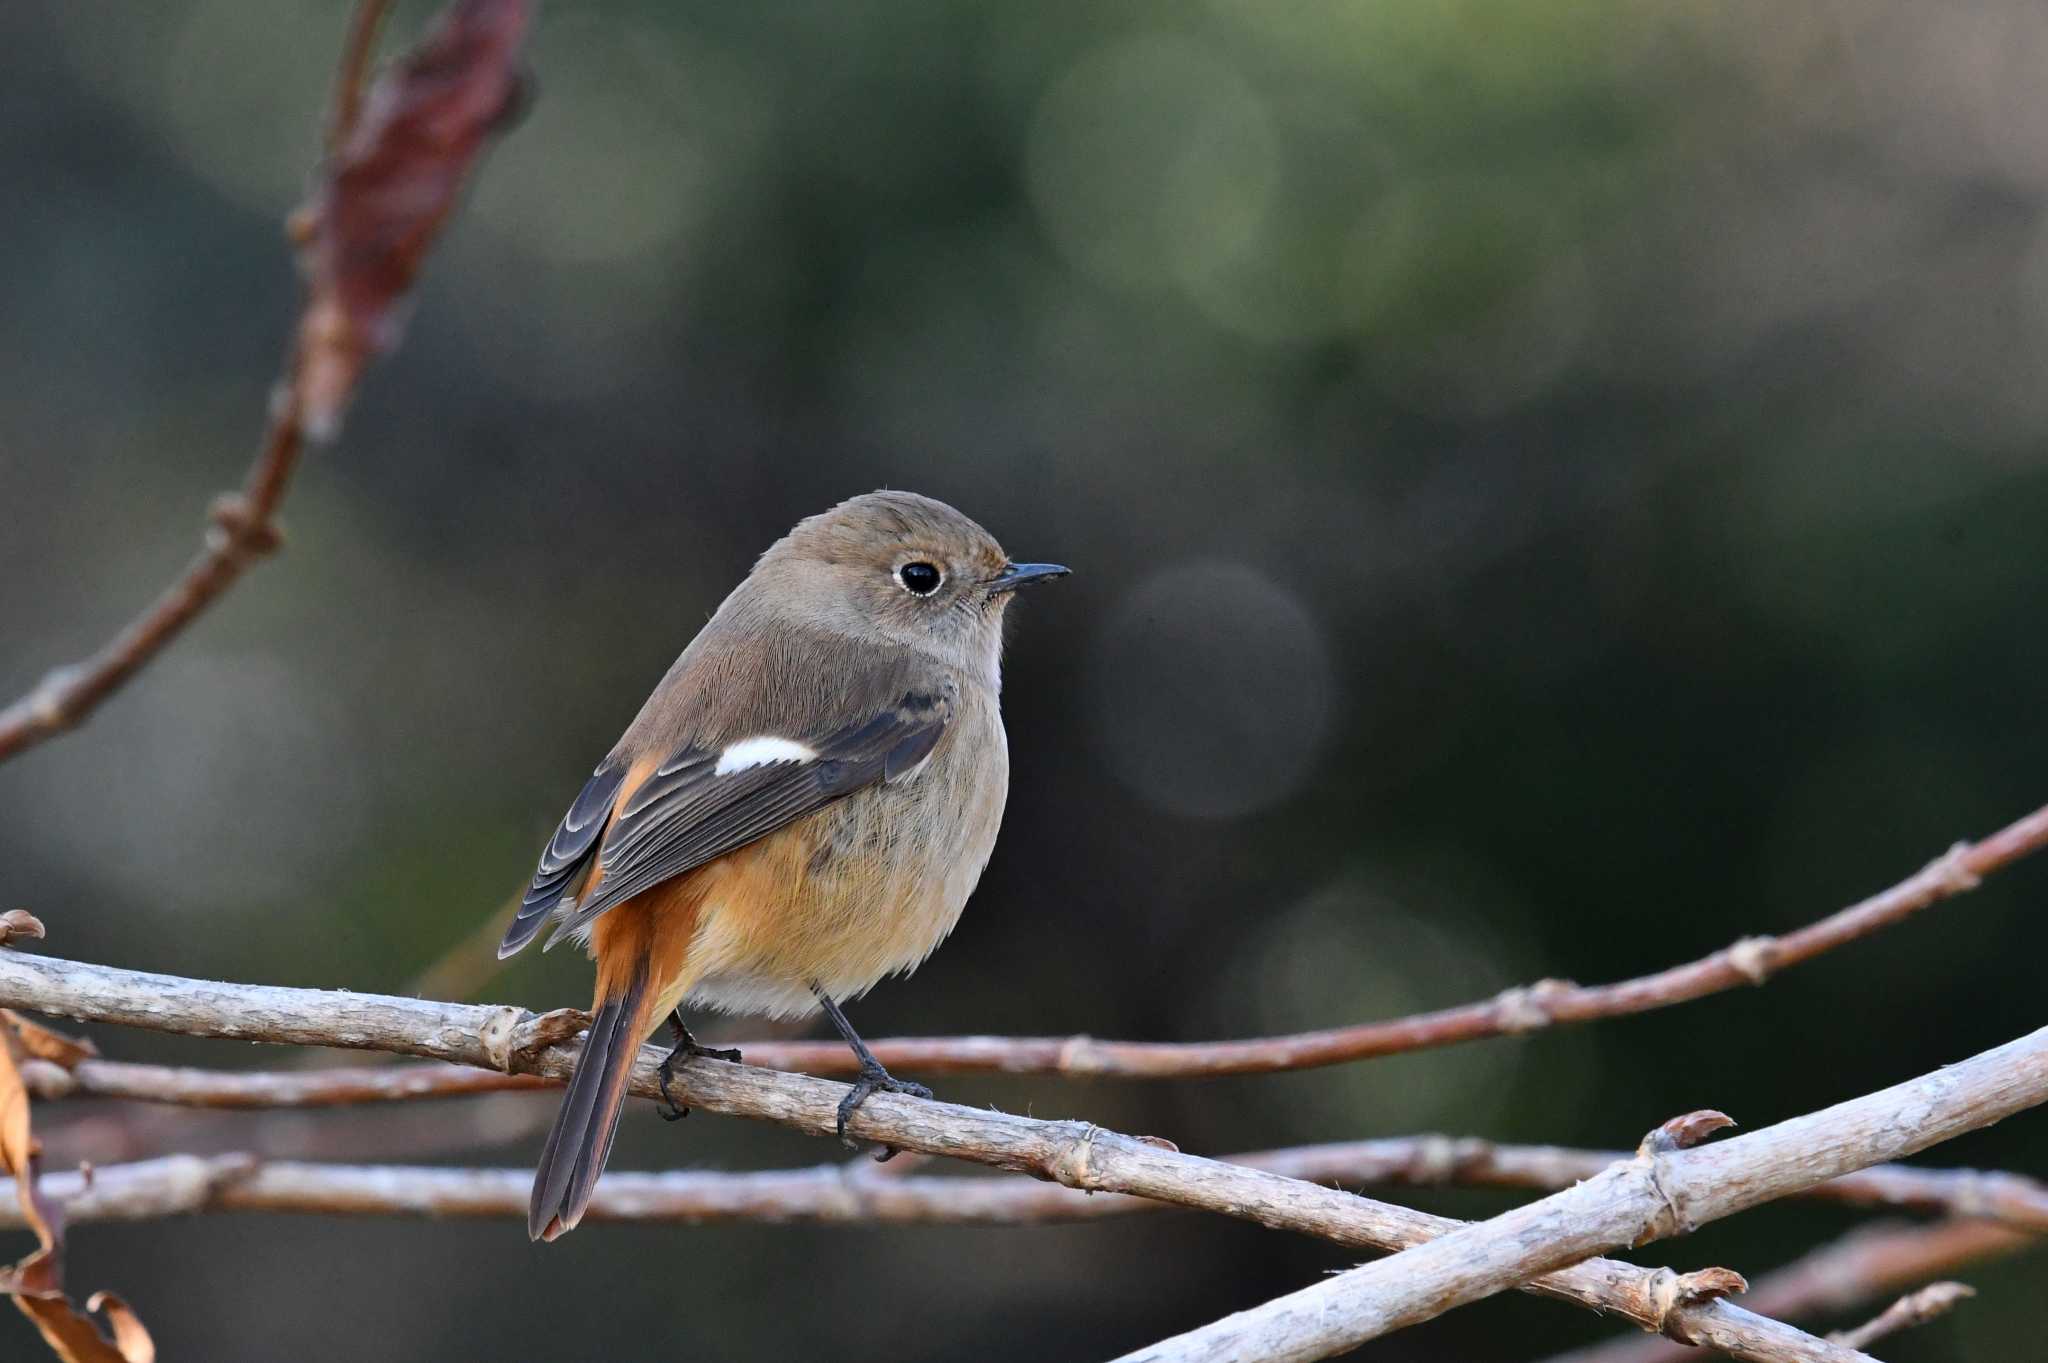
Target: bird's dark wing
[[568, 856], [687, 812]]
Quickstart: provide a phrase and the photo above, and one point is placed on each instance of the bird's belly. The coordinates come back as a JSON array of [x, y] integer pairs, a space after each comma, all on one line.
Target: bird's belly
[[863, 889]]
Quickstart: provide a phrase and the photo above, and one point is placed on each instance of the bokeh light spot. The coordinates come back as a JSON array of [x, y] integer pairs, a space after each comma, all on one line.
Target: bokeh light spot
[[233, 96], [1151, 159], [630, 137], [1213, 690]]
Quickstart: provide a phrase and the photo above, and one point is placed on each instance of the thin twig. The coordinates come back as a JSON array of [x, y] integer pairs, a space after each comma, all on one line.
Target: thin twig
[[242, 531], [1749, 961], [1075, 1154], [306, 400], [1522, 1009], [1414, 1161], [1867, 1264], [356, 52], [339, 1086], [1849, 1273], [855, 1193], [1916, 1308], [1666, 1190]]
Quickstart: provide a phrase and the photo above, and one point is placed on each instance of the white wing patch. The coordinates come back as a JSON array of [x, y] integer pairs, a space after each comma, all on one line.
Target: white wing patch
[[759, 752]]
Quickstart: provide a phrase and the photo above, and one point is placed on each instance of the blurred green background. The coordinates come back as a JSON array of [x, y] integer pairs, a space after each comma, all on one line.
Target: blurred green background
[[1552, 487]]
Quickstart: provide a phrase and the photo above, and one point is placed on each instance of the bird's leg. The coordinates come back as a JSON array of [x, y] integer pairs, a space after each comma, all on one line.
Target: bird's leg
[[871, 1079], [686, 1049]]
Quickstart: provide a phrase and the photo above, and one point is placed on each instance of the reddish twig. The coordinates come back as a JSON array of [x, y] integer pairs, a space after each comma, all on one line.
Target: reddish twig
[[357, 49], [386, 189], [1523, 1009], [341, 1086], [1863, 1266], [242, 532]]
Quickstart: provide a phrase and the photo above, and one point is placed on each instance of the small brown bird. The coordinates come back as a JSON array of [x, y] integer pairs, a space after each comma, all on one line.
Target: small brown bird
[[801, 808]]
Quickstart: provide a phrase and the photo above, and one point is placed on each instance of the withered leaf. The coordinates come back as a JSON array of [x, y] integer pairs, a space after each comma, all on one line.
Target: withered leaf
[[36, 1283], [389, 187], [45, 1043], [38, 1274], [129, 1335], [74, 1338]]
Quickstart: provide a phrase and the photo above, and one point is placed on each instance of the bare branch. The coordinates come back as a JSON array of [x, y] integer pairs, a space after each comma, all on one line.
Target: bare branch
[[242, 532], [1855, 1270], [1075, 1154], [1664, 1191], [341, 1086], [1861, 1267], [1525, 1008], [1917, 1308], [314, 386], [1415, 1161], [1421, 1161], [857, 1192]]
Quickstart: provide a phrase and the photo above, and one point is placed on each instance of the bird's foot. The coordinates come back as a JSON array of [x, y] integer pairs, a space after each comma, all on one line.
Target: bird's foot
[[873, 1079], [686, 1049]]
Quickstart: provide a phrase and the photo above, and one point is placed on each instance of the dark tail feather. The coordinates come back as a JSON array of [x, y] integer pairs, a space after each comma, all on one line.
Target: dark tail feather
[[581, 1140]]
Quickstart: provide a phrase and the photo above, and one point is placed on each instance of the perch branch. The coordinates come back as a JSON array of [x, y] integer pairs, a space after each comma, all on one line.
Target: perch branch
[[1861, 1267], [1666, 1190], [1075, 1154]]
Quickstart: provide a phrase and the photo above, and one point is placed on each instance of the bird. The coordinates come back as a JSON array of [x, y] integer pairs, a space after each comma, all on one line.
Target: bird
[[801, 808]]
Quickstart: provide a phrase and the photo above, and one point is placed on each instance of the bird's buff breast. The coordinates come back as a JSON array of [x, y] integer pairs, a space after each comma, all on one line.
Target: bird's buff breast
[[864, 888]]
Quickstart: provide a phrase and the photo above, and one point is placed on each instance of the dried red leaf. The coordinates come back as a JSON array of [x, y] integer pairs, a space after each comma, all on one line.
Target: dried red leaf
[[389, 187]]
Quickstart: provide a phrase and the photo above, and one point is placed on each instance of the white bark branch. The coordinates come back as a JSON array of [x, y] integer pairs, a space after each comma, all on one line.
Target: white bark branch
[[1663, 1192], [819, 1194], [1075, 1154], [1871, 1262]]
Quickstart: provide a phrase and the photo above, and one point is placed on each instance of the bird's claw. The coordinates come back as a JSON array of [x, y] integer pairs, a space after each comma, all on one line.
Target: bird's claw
[[871, 1080], [686, 1049]]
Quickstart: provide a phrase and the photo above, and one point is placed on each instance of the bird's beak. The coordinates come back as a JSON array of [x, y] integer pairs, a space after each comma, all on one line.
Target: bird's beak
[[1023, 575]]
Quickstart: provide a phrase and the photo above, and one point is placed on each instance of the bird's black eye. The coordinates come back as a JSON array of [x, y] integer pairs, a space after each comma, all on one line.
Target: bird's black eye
[[920, 579]]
